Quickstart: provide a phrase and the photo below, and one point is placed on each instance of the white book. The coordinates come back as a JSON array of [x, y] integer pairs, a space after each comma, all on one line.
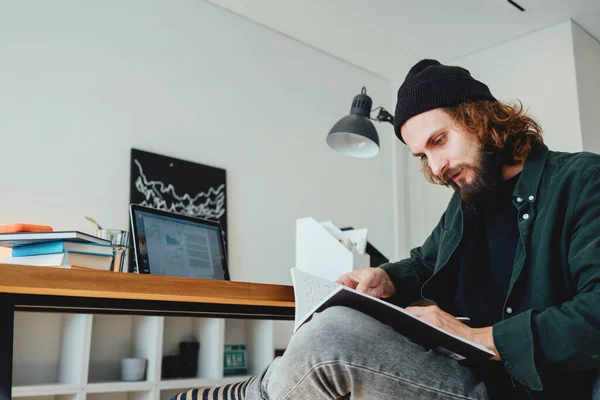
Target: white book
[[314, 294], [26, 238]]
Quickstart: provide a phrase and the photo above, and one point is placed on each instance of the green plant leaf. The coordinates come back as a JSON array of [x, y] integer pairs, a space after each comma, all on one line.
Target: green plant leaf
[[93, 221]]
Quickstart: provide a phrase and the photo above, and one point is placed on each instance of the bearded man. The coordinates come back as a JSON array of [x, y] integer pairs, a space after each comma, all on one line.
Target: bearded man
[[517, 251]]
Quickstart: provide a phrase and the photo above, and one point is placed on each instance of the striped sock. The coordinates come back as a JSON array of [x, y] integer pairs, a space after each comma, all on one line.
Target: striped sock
[[233, 391]]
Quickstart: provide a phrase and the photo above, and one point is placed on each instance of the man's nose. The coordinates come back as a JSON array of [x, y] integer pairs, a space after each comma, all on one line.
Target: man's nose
[[438, 165]]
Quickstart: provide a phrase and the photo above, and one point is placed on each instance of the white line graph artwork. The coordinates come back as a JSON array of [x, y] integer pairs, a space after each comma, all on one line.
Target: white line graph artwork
[[175, 185], [163, 196]]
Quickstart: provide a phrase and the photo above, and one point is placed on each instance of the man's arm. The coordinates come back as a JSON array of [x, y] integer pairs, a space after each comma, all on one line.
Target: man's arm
[[399, 282], [408, 275]]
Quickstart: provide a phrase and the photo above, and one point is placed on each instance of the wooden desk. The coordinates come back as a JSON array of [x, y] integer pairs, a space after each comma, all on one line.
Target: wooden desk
[[24, 288]]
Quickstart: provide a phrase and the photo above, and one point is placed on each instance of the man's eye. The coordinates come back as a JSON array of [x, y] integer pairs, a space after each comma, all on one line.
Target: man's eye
[[423, 157], [440, 139]]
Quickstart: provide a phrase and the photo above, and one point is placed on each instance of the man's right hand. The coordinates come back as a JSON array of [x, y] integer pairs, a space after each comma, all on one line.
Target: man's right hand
[[372, 281]]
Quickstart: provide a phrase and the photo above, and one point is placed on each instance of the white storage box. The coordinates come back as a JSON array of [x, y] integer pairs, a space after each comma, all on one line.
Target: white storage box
[[321, 249]]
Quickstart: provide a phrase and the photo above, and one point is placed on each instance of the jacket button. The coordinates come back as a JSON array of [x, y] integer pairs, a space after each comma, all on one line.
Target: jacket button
[[531, 198], [525, 216], [508, 310], [519, 199]]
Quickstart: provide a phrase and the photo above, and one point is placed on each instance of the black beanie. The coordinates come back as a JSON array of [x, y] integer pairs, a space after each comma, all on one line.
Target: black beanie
[[430, 85]]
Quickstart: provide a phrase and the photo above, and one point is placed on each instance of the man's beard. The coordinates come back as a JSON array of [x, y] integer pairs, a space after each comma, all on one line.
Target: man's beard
[[481, 192]]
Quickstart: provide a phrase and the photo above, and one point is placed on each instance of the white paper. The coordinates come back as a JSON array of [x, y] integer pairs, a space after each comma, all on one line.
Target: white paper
[[355, 240], [333, 230], [309, 291]]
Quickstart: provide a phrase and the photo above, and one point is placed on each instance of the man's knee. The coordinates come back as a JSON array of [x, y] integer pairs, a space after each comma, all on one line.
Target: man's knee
[[331, 321], [334, 326], [327, 340]]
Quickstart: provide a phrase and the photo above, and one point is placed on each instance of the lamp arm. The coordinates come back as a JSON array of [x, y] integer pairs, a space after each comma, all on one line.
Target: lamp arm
[[385, 116]]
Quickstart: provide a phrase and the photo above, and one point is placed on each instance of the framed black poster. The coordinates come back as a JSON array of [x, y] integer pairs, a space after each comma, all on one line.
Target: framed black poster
[[180, 186]]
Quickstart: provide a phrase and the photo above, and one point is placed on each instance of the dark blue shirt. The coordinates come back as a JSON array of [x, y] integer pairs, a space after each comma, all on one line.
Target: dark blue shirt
[[485, 264], [484, 270]]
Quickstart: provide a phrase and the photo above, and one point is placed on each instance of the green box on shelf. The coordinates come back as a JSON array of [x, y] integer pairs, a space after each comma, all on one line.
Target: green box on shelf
[[234, 360]]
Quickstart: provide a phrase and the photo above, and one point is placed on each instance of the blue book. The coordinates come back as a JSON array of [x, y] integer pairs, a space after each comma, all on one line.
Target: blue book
[[61, 247]]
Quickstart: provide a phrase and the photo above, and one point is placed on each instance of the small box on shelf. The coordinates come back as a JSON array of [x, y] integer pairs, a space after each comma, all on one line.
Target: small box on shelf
[[234, 360], [184, 364]]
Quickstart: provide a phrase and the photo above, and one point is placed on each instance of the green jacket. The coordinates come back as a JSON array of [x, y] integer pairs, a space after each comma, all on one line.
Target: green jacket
[[549, 335]]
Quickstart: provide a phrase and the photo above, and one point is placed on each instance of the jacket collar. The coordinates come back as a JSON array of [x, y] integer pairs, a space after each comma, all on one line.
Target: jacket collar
[[527, 186]]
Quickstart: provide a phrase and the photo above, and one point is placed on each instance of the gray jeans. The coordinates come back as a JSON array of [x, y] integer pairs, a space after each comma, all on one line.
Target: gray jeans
[[344, 354]]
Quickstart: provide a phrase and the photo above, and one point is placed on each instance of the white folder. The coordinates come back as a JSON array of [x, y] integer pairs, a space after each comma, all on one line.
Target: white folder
[[320, 250]]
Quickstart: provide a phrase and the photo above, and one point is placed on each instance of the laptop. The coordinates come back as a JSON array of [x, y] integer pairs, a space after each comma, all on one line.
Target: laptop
[[168, 243]]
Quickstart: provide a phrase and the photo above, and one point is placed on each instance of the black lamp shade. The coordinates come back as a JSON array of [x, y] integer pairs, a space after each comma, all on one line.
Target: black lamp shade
[[355, 135]]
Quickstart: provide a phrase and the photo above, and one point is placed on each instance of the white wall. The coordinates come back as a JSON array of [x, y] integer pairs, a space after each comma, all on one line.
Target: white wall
[[84, 82], [539, 70], [587, 66]]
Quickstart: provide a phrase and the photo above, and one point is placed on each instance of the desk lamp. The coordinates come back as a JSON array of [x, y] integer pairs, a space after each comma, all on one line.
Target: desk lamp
[[354, 135]]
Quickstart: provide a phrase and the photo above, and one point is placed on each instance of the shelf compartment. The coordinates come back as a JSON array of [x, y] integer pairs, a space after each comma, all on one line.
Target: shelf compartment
[[118, 336], [207, 331], [53, 355], [44, 390], [257, 336]]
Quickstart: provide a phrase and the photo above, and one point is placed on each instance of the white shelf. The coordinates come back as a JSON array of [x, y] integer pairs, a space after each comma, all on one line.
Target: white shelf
[[74, 396], [111, 387], [44, 390], [77, 356], [133, 395]]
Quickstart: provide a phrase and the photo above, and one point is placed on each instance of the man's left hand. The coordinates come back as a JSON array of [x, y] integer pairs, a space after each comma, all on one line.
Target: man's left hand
[[435, 316]]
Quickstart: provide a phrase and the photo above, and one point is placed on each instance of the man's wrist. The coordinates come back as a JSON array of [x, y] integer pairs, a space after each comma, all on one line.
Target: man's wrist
[[388, 287], [485, 337]]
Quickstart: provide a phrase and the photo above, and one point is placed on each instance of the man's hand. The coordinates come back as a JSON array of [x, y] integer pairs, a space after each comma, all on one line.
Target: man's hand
[[435, 316], [372, 281]]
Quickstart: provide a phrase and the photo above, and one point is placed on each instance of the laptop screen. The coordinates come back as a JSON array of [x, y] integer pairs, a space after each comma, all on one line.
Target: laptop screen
[[175, 245]]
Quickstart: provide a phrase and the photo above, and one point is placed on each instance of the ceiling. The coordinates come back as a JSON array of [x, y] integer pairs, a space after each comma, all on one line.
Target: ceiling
[[388, 36]]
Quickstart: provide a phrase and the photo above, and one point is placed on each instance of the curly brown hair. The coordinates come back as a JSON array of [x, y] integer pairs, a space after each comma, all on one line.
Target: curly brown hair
[[495, 123]]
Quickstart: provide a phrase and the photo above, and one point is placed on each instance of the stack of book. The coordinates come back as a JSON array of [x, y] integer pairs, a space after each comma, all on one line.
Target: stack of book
[[69, 249]]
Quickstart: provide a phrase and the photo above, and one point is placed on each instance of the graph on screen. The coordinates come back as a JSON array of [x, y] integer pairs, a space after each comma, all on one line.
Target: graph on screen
[[171, 241]]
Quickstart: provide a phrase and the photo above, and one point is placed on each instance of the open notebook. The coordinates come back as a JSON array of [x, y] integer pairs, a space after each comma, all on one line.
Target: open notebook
[[314, 294]]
